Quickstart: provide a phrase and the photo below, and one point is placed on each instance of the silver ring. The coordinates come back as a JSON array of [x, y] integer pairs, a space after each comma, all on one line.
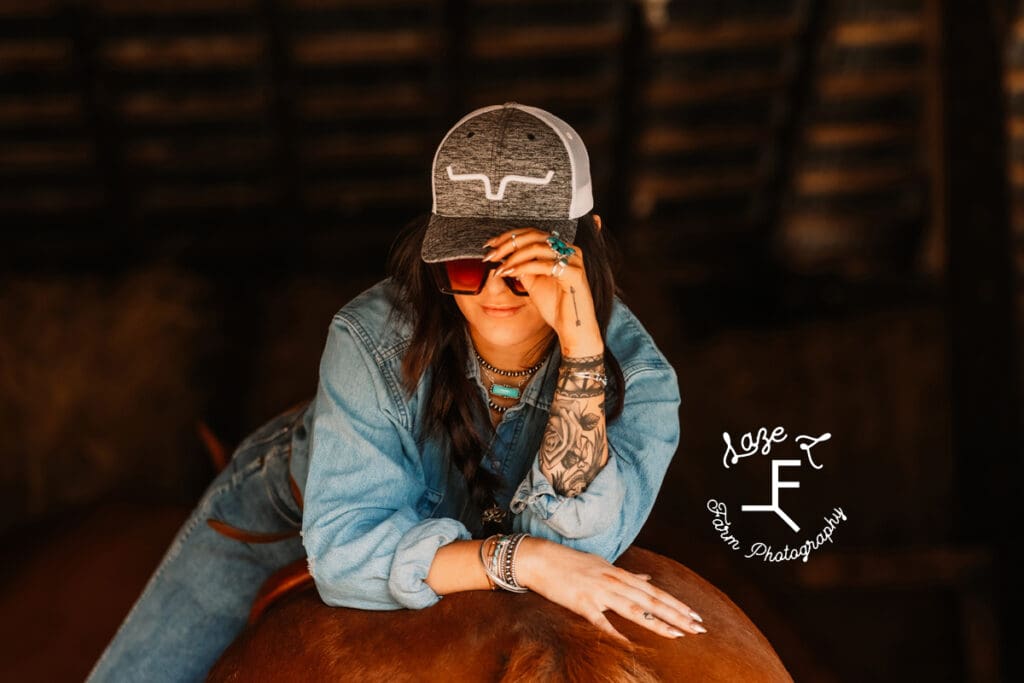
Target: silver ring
[[648, 616], [514, 246]]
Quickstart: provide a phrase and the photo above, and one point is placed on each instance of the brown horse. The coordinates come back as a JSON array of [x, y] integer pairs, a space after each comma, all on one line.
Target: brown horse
[[483, 635], [492, 636]]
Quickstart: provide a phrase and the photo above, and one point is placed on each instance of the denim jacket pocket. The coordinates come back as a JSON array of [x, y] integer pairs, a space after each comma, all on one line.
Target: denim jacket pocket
[[428, 503]]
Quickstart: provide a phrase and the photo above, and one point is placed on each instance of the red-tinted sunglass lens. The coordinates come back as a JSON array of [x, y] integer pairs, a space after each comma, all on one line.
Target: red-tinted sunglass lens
[[515, 284], [465, 275]]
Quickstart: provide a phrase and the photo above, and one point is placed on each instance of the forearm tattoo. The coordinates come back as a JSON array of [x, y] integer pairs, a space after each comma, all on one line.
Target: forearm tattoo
[[575, 446], [572, 290]]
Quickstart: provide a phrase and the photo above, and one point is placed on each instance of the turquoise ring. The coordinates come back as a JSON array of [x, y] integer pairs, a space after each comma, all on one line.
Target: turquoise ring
[[559, 246]]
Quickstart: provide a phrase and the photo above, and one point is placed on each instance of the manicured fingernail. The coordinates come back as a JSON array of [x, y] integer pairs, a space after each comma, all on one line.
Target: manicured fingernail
[[699, 629], [645, 577], [694, 615], [507, 271], [676, 632]]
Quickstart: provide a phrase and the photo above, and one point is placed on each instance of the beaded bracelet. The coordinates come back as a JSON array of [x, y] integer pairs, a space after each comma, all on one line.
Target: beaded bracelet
[[510, 558], [500, 566]]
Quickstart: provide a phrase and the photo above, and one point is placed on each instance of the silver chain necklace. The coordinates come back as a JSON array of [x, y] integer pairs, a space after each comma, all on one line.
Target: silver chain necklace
[[506, 390]]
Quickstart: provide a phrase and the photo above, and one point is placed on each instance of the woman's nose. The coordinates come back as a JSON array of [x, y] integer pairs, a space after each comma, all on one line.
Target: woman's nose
[[494, 283]]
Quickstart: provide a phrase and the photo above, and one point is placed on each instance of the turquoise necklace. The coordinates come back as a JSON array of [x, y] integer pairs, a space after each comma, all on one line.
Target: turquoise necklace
[[506, 390]]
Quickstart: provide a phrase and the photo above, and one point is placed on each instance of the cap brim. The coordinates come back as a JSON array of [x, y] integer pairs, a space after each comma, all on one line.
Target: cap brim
[[454, 237]]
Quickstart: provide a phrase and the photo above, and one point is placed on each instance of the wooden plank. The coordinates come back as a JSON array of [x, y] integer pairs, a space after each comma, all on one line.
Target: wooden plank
[[879, 32], [667, 139], [185, 52], [931, 257], [28, 8], [538, 41], [176, 154], [1017, 126], [210, 195], [561, 91], [981, 633], [159, 7], [1014, 80], [50, 200], [330, 102], [16, 55], [367, 147], [347, 4], [792, 113], [740, 33], [350, 195], [816, 225], [877, 83], [695, 183], [347, 47], [846, 180], [667, 90], [164, 107], [40, 109], [54, 155], [857, 133]]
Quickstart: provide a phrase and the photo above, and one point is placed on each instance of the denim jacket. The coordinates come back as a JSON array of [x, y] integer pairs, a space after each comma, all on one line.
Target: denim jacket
[[380, 499]]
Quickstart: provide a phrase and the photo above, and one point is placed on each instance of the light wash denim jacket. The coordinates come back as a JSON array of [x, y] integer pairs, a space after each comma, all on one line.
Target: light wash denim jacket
[[379, 499]]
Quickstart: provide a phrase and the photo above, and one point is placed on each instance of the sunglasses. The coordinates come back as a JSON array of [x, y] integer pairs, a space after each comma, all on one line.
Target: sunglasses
[[468, 275]]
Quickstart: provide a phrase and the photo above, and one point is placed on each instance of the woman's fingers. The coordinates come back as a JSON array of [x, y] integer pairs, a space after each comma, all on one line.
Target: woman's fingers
[[665, 611], [504, 244], [528, 246], [644, 617], [538, 267], [642, 582], [538, 251]]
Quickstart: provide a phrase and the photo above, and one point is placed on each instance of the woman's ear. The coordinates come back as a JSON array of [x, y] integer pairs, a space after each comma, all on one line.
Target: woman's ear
[[597, 222]]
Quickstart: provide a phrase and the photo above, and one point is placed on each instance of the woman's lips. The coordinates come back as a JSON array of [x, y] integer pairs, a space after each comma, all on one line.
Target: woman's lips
[[500, 312]]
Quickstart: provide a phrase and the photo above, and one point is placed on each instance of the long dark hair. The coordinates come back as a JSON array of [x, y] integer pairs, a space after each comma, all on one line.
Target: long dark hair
[[455, 407]]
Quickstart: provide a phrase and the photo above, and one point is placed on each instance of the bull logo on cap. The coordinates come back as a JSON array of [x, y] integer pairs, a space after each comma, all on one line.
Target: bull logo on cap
[[511, 178]]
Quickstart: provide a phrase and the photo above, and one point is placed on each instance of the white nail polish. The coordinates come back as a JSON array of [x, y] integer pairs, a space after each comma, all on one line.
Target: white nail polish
[[694, 615]]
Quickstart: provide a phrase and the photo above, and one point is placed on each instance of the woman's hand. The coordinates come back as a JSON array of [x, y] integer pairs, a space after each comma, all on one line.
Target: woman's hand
[[588, 585], [565, 302]]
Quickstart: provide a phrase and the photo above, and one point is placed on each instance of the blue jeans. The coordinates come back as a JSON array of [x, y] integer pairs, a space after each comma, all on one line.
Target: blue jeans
[[198, 599]]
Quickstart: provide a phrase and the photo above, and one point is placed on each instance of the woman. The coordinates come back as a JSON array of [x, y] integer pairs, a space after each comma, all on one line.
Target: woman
[[490, 415]]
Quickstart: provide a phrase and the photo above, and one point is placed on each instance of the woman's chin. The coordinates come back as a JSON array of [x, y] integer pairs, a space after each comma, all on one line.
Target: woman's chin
[[507, 331]]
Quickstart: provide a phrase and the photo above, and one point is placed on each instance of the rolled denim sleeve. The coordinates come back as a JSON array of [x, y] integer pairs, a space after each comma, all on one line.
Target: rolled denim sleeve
[[608, 515], [366, 544]]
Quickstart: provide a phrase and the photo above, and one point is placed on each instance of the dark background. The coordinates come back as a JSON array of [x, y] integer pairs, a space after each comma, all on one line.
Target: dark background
[[816, 206]]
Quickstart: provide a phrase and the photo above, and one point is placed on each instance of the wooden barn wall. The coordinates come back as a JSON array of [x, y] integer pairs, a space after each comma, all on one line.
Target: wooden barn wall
[[189, 189]]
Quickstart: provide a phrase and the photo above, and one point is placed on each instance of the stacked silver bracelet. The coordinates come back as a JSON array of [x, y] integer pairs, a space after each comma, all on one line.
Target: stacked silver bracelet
[[500, 566]]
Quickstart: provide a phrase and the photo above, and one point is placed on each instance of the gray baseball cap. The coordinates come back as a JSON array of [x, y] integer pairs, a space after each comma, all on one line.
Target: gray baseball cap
[[501, 167]]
